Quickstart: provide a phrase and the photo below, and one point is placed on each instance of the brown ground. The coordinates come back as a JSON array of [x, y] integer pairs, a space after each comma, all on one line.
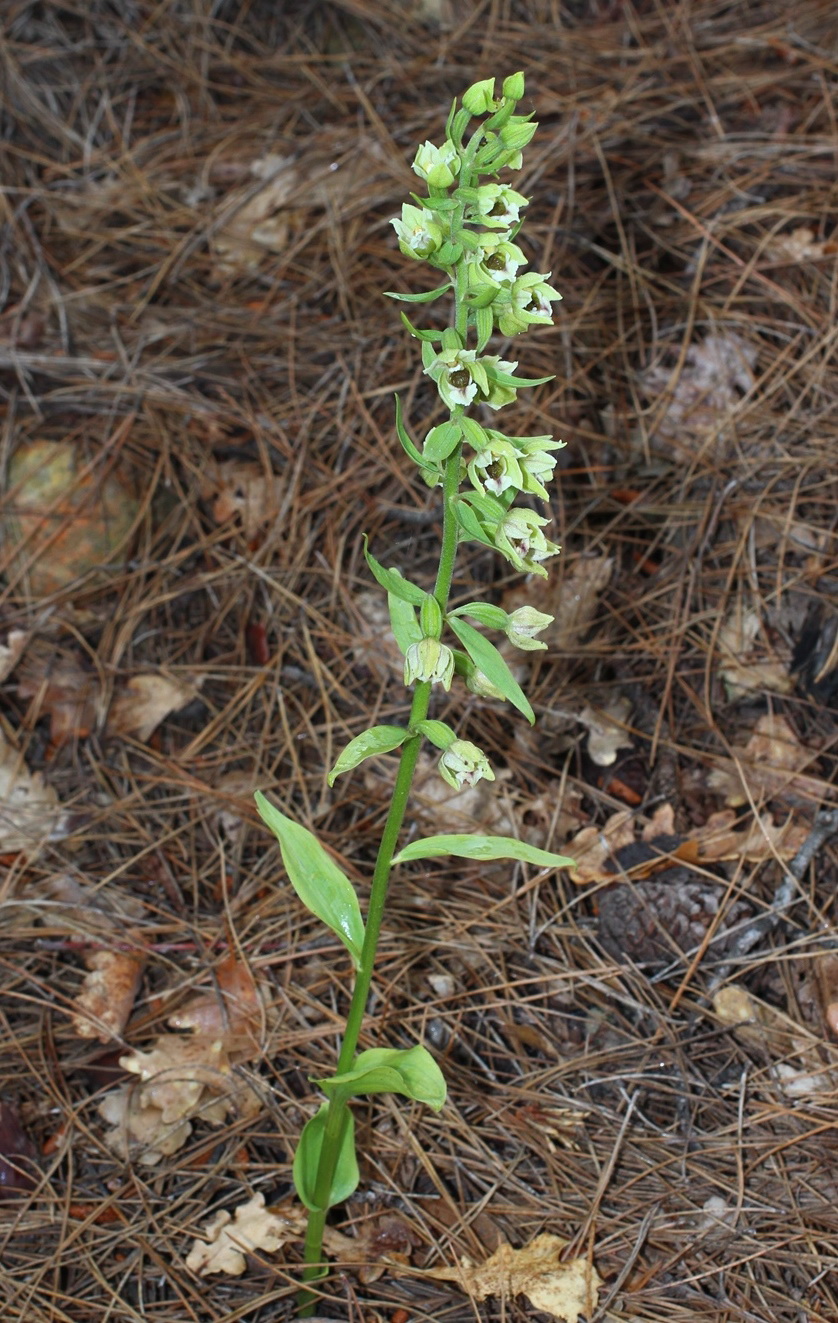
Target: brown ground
[[684, 186]]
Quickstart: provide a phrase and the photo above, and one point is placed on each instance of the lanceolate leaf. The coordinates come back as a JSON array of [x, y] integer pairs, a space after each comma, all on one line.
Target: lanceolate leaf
[[393, 582], [487, 658], [380, 739], [481, 847], [413, 1073], [320, 884], [427, 296], [403, 622], [307, 1160], [469, 523], [407, 445]]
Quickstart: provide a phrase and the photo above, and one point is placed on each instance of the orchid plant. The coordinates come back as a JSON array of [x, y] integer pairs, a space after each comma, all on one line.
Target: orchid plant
[[466, 228]]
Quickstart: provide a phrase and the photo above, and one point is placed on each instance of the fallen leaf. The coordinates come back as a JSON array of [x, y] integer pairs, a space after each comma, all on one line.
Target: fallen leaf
[[176, 1071], [142, 702], [11, 651], [258, 224], [800, 245], [802, 1073], [63, 689], [242, 490], [30, 813], [759, 840], [592, 846], [226, 1240], [234, 1014], [746, 659], [564, 1290], [606, 733], [104, 1005], [771, 764], [137, 1129], [707, 392], [67, 513]]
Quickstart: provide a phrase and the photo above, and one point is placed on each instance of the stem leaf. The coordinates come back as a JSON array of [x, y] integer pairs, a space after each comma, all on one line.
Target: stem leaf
[[323, 888], [470, 525], [407, 445], [484, 324], [307, 1159], [487, 659], [481, 847], [379, 739], [403, 622], [392, 581], [441, 442], [412, 1072], [427, 296]]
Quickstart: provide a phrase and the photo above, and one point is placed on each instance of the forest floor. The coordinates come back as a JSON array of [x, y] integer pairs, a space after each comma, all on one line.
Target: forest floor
[[197, 371]]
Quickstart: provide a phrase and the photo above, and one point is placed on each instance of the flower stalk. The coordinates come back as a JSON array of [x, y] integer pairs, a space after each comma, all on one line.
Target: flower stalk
[[466, 227]]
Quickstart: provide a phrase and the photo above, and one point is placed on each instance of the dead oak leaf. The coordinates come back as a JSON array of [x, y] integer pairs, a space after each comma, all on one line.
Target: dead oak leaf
[[235, 1014], [63, 689], [142, 702], [30, 813], [176, 1071], [103, 1006], [606, 730], [564, 1290], [747, 661], [771, 766], [139, 1131], [227, 1239], [592, 846], [572, 599], [243, 490]]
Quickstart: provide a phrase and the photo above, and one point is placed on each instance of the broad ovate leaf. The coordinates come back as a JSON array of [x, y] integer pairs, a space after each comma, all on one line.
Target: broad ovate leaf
[[320, 884], [307, 1160], [412, 1072], [379, 739], [487, 659], [481, 847]]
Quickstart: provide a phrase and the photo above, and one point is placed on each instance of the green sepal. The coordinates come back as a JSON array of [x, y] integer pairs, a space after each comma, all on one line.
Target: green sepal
[[307, 1160], [427, 297], [492, 617], [484, 324], [501, 117], [481, 847], [441, 442], [433, 337], [407, 445], [470, 241], [392, 580], [509, 378], [481, 296], [379, 739], [487, 659], [412, 1072], [438, 732], [403, 622], [470, 525], [323, 888]]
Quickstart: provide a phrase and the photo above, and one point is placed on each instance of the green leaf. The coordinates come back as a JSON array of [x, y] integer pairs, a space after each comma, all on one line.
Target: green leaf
[[487, 658], [481, 847], [320, 884], [307, 1160], [403, 622], [493, 617], [473, 432], [433, 336], [509, 379], [411, 1072], [441, 442], [393, 581], [427, 296], [407, 445], [379, 739], [470, 524], [484, 322], [437, 732], [449, 253]]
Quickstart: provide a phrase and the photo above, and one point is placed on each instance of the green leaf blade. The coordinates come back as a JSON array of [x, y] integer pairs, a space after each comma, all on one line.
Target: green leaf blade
[[379, 739], [323, 888], [307, 1161], [411, 1072], [427, 296], [392, 581], [481, 847], [487, 659]]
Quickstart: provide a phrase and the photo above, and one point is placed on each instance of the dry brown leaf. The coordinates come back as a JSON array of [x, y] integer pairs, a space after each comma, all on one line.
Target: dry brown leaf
[[802, 1073], [757, 842], [606, 733], [257, 224], [30, 813], [64, 690], [141, 703], [800, 245], [234, 1014], [137, 1131], [103, 1006], [571, 599], [176, 1071], [226, 1240], [564, 1290], [242, 490], [772, 765], [11, 651], [594, 845], [746, 659], [707, 391]]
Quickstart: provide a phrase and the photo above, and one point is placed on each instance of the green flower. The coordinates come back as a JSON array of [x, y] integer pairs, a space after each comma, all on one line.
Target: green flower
[[497, 206], [526, 303], [419, 236], [498, 393], [438, 165], [523, 625], [537, 464], [495, 260], [459, 375], [429, 660], [519, 538], [463, 764], [496, 468]]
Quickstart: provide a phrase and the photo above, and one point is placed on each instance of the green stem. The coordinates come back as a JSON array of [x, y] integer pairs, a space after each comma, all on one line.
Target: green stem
[[336, 1116]]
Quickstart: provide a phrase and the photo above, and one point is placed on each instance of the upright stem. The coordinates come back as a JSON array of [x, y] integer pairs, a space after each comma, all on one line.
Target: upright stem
[[336, 1116]]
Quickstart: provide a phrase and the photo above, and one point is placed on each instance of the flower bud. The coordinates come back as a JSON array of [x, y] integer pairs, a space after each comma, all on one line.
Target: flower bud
[[514, 86], [463, 764], [437, 165], [515, 136], [430, 617], [480, 97], [429, 660], [522, 626]]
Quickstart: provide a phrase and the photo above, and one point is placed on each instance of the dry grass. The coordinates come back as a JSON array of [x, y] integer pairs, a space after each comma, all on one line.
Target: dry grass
[[677, 143]]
